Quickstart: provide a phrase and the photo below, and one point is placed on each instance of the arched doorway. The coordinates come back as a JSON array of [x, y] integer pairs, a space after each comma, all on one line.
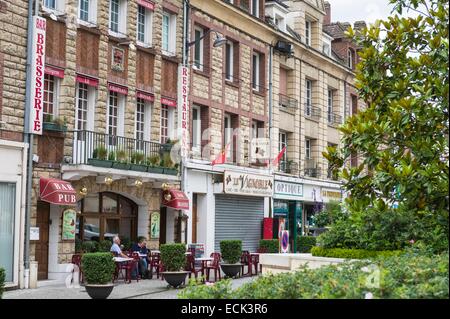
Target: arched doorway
[[105, 215]]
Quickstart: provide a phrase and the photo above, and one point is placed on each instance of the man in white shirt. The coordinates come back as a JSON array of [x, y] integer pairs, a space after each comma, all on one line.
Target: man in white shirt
[[115, 248]]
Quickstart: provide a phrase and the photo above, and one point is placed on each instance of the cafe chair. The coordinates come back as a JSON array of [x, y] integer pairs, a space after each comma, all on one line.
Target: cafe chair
[[154, 264], [214, 265], [245, 259], [190, 266], [76, 260]]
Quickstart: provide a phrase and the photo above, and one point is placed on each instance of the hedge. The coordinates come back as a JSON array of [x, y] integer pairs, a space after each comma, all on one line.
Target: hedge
[[305, 243], [270, 245], [173, 256], [2, 281], [352, 253], [231, 251], [98, 268], [408, 276]]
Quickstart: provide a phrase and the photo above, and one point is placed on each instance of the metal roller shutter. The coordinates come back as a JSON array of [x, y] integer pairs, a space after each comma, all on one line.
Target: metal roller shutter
[[239, 217]]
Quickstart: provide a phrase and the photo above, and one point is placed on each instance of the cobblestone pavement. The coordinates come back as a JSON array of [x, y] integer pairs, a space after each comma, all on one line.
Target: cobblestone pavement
[[144, 289]]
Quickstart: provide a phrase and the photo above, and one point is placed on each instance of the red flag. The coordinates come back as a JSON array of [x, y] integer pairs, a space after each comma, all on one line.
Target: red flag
[[222, 156], [277, 159]]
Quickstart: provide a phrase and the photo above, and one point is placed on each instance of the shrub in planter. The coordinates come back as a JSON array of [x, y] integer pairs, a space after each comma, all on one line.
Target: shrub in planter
[[98, 270], [231, 251], [270, 245], [305, 243], [100, 153], [2, 281], [89, 246], [173, 258], [352, 253]]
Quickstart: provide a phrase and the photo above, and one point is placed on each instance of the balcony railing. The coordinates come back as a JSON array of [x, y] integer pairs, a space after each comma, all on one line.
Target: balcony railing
[[98, 149], [311, 168], [288, 102], [289, 167], [334, 119], [312, 112]]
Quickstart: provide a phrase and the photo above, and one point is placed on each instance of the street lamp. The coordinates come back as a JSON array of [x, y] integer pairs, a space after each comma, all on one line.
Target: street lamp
[[219, 41]]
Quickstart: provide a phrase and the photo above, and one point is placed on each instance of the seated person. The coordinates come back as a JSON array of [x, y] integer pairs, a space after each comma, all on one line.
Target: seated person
[[141, 248], [115, 248]]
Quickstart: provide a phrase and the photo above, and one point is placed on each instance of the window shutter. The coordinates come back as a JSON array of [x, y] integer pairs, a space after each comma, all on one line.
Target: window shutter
[[235, 66]]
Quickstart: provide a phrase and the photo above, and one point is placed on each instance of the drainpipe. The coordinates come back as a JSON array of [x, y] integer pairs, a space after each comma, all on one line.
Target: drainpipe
[[28, 138], [270, 117]]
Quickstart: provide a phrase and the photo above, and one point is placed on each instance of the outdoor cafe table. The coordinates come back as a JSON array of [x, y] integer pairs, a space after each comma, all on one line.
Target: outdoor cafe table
[[121, 259], [204, 261]]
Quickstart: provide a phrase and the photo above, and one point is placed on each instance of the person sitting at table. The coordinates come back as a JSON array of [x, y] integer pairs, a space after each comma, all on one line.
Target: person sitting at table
[[141, 248], [115, 248]]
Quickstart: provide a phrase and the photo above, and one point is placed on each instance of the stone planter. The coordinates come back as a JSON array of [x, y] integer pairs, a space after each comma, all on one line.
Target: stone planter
[[175, 278], [170, 171], [99, 162], [99, 291], [231, 270]]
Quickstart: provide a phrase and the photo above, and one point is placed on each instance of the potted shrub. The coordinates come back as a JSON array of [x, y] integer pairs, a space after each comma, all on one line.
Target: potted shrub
[[167, 163], [121, 160], [174, 259], [137, 162], [153, 164], [100, 155], [2, 281], [231, 251], [98, 271], [89, 246], [271, 246]]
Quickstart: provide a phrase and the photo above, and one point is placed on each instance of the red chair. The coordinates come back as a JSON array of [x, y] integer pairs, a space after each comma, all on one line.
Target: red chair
[[214, 265], [254, 262], [245, 259], [129, 267], [190, 266], [76, 260], [155, 262]]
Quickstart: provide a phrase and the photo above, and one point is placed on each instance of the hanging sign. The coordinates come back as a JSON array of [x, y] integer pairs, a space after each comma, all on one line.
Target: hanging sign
[[37, 75], [184, 108]]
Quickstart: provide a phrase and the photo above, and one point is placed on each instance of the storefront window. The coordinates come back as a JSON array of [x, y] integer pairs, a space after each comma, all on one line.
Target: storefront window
[[7, 214], [103, 219]]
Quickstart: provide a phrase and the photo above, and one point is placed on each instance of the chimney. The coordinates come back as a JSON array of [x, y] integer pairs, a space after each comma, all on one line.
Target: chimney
[[359, 25], [327, 17]]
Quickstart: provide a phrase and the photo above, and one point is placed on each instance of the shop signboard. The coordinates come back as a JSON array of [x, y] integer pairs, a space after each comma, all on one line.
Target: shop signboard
[[331, 194], [69, 224], [289, 189], [247, 184], [154, 225]]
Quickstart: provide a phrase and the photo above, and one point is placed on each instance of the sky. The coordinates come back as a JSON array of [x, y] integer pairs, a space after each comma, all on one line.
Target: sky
[[354, 10]]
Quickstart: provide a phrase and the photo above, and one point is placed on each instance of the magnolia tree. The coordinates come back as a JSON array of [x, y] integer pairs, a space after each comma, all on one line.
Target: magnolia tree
[[399, 193]]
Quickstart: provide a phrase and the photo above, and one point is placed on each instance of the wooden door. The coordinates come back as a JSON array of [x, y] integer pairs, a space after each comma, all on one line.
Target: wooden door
[[194, 218], [162, 225], [41, 255]]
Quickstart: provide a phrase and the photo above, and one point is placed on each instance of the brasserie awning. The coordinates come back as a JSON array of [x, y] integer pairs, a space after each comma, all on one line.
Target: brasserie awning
[[57, 192], [176, 199]]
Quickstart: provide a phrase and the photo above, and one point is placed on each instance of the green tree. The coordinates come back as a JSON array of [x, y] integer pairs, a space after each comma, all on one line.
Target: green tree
[[401, 136]]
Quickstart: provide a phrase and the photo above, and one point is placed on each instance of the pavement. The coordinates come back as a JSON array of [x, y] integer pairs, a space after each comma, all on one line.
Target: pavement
[[144, 289]]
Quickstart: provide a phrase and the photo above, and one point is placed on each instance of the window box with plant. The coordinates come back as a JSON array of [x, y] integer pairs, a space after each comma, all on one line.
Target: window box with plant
[[98, 271], [54, 123], [153, 164], [174, 259], [100, 158], [121, 160], [169, 166], [231, 251], [138, 162]]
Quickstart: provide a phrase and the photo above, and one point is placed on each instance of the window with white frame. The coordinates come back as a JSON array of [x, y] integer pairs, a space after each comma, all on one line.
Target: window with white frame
[[87, 11], [50, 99], [168, 33], [55, 6], [255, 8], [85, 104], [144, 26], [142, 120], [282, 143], [229, 53], [196, 128], [308, 26], [308, 97], [350, 58], [198, 48], [228, 134], [307, 148], [166, 126], [118, 17], [116, 106], [330, 106], [255, 71]]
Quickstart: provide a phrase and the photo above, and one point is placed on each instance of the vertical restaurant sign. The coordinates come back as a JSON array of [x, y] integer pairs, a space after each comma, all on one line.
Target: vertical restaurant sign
[[183, 79], [69, 224], [37, 75]]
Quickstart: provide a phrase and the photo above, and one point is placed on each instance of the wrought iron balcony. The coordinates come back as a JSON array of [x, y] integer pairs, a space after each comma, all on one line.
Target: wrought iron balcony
[[334, 119], [289, 103], [312, 112], [311, 168], [110, 151], [289, 167]]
